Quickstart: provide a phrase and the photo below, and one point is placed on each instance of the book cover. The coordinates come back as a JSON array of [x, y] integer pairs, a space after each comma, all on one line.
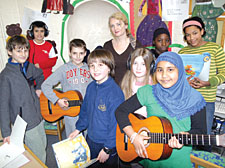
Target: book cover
[[197, 65], [72, 153]]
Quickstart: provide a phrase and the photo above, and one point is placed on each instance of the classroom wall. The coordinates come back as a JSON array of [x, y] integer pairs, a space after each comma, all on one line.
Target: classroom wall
[[13, 10]]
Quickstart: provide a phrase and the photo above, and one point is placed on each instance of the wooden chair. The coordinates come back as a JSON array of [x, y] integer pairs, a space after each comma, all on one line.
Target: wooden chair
[[201, 162], [206, 159], [58, 131]]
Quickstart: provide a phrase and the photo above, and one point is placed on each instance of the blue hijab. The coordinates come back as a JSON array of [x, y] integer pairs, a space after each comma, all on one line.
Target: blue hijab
[[180, 100]]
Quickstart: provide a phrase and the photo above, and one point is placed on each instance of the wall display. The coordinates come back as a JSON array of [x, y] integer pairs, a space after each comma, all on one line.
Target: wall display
[[150, 23], [208, 13], [174, 10]]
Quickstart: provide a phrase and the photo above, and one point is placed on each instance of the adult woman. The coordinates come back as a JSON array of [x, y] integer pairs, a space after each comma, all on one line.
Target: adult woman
[[194, 30], [173, 98], [122, 43]]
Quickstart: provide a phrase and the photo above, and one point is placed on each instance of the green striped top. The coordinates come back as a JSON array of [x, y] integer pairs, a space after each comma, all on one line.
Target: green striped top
[[217, 67]]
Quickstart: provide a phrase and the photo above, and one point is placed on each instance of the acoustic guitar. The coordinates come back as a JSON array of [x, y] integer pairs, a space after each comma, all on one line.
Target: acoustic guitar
[[160, 130], [51, 112]]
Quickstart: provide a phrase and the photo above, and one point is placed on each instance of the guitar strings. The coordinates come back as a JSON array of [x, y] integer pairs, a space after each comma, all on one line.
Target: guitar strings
[[186, 139]]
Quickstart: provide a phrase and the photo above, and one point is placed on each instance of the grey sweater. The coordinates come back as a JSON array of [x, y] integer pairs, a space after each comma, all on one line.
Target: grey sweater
[[70, 77], [18, 96]]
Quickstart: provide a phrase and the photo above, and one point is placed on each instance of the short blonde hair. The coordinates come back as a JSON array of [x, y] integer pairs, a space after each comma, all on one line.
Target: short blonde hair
[[119, 16]]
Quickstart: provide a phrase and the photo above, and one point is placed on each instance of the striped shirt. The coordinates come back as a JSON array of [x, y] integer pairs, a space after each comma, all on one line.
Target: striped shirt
[[217, 67]]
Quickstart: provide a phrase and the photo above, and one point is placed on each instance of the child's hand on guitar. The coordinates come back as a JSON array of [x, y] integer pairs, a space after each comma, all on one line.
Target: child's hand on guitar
[[102, 156], [140, 146], [38, 92], [37, 65], [63, 103], [174, 143], [74, 134]]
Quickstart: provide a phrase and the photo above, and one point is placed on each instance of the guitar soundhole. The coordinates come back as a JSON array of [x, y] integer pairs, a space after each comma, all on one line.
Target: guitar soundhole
[[144, 131]]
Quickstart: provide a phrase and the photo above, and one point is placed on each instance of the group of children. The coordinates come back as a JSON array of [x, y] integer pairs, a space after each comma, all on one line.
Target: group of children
[[153, 85]]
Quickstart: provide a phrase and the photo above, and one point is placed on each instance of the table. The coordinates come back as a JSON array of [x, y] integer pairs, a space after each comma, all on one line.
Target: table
[[34, 162]]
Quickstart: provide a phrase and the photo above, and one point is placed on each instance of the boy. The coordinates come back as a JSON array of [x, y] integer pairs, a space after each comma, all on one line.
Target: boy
[[74, 75], [161, 41], [97, 113], [20, 97]]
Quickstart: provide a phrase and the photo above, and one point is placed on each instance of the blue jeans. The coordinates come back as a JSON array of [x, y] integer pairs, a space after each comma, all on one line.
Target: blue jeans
[[210, 109], [95, 148]]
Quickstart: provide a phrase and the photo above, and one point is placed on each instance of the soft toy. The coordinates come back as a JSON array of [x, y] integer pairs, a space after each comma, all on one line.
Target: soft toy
[[12, 30]]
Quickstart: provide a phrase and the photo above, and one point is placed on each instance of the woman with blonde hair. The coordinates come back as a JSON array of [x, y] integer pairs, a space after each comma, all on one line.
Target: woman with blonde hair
[[122, 43]]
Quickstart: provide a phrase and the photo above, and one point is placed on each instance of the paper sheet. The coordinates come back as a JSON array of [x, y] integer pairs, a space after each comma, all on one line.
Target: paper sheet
[[175, 10], [18, 162], [9, 152]]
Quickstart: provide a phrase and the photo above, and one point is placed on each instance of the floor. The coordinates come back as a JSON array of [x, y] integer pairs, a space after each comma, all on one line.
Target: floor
[[50, 161]]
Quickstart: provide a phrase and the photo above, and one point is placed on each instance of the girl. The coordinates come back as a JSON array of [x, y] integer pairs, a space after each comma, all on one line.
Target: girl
[[42, 53], [122, 43], [194, 31], [172, 97], [139, 65], [97, 113]]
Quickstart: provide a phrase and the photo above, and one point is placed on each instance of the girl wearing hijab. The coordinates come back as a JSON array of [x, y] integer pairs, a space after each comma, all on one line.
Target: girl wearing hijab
[[173, 98]]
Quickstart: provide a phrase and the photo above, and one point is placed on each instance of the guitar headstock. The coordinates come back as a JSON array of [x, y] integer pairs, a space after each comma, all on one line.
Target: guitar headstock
[[222, 140]]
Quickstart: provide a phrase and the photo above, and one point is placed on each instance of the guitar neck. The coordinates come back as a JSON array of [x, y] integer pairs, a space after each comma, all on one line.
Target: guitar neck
[[186, 139], [74, 103]]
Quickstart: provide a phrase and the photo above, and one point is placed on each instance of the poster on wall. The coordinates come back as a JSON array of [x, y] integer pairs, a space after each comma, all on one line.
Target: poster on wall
[[175, 10], [30, 16]]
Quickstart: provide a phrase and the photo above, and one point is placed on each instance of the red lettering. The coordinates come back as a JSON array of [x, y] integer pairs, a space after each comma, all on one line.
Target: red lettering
[[85, 73], [75, 71], [81, 72], [88, 74], [67, 74]]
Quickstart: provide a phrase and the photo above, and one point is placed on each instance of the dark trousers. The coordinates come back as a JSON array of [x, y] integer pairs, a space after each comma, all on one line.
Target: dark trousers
[[132, 164], [95, 148]]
